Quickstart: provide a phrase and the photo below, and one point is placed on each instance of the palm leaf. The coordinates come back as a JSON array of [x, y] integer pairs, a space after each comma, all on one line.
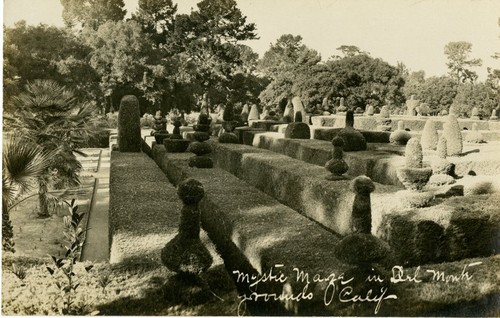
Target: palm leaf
[[23, 162]]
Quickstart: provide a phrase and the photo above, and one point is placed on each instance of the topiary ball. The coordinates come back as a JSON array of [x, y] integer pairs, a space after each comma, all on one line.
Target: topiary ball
[[229, 138], [199, 148], [363, 185], [190, 191], [399, 137], [353, 139], [201, 162]]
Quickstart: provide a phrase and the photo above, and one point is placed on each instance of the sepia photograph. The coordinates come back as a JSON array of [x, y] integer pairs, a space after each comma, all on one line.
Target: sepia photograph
[[251, 158]]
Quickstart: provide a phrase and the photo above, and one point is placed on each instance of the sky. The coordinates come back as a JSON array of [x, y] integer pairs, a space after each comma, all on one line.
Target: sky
[[410, 31]]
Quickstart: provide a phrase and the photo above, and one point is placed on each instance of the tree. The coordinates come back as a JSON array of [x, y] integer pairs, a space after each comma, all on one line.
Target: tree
[[459, 62], [50, 116], [286, 62], [413, 83], [438, 92], [348, 51], [366, 80], [156, 18], [479, 95], [46, 52], [23, 163], [127, 62], [205, 46], [92, 13]]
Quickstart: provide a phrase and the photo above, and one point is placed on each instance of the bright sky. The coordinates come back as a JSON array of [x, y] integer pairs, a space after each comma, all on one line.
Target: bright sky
[[412, 31]]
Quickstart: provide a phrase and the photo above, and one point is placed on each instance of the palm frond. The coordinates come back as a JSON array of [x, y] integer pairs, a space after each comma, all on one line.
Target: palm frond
[[23, 162]]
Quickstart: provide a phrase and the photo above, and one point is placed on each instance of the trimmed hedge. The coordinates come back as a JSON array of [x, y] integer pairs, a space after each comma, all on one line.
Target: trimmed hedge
[[129, 125]]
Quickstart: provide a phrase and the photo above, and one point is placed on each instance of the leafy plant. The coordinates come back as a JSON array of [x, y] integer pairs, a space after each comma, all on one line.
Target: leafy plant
[[75, 236], [19, 271]]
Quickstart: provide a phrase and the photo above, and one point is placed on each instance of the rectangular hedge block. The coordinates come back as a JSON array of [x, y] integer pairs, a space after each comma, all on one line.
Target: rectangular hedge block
[[379, 162], [299, 185]]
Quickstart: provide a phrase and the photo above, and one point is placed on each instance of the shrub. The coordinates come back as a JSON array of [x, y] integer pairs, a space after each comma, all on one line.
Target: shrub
[[413, 154], [384, 112], [337, 165], [254, 113], [429, 137], [298, 129], [361, 208], [369, 110], [413, 176], [410, 199], [441, 179], [400, 136], [129, 126], [451, 131]]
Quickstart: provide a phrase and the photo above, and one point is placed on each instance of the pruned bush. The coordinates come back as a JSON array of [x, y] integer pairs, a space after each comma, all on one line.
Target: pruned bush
[[441, 179], [451, 131], [414, 178], [429, 137], [400, 136], [129, 125], [413, 154], [411, 199]]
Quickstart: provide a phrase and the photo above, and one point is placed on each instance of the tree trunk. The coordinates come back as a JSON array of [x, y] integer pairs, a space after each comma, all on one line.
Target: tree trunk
[[42, 200], [7, 231]]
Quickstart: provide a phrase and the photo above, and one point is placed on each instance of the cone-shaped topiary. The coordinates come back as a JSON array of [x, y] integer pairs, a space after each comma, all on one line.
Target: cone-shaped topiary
[[413, 154], [298, 129], [413, 176], [244, 113], [254, 113], [342, 108], [494, 115], [361, 208], [337, 165], [453, 135], [353, 139], [299, 107], [400, 136], [369, 110], [429, 137], [129, 125], [185, 253], [384, 112], [442, 148]]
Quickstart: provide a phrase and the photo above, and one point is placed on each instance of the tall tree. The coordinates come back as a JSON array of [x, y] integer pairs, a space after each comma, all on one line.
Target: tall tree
[[438, 92], [126, 62], [156, 18], [92, 13], [46, 52], [348, 51], [286, 62], [205, 46], [479, 95], [460, 63]]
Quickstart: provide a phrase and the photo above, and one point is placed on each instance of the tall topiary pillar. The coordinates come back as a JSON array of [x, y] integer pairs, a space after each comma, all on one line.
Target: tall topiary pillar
[[229, 124], [429, 137], [361, 208], [129, 125], [453, 135]]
